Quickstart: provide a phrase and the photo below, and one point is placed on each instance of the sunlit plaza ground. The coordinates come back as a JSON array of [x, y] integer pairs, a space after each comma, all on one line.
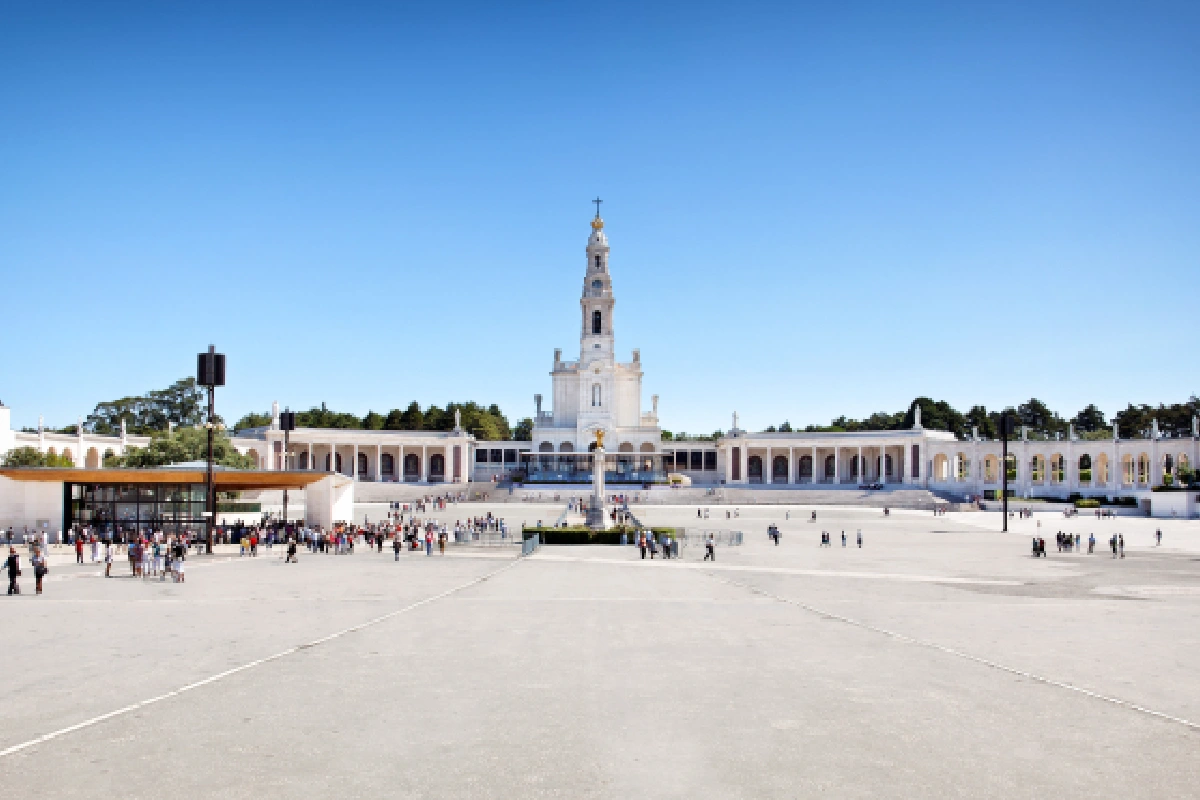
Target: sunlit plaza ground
[[939, 660]]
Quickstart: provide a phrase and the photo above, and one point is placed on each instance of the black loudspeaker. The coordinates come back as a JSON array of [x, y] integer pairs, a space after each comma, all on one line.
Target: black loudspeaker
[[287, 421], [210, 369], [1008, 425]]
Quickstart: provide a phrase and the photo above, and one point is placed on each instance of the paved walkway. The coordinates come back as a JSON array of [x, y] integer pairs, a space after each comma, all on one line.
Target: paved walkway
[[939, 660]]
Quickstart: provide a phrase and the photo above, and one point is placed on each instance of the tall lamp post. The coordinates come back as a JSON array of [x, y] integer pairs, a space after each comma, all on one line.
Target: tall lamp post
[[1007, 425], [287, 422], [210, 373]]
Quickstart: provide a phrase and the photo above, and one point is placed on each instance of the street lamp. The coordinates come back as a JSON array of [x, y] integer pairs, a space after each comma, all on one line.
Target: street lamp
[[210, 373], [287, 423]]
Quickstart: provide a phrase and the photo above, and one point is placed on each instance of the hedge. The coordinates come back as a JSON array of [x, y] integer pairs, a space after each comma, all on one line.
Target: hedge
[[1087, 502], [582, 535]]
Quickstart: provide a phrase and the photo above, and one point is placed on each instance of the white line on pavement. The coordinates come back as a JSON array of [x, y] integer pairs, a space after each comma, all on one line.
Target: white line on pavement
[[960, 654], [259, 662]]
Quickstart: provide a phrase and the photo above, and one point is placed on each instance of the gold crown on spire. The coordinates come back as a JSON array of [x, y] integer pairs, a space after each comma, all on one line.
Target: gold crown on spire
[[597, 223]]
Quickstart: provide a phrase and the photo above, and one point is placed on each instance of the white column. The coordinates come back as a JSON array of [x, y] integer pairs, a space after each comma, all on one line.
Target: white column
[[378, 462], [354, 462], [837, 464], [745, 448], [862, 468], [311, 465], [422, 466], [814, 464], [768, 471], [791, 465]]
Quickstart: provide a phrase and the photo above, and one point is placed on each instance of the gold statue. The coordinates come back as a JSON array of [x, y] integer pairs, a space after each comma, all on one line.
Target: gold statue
[[599, 440]]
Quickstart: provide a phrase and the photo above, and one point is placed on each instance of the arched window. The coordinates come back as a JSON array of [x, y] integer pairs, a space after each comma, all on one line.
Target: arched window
[[595, 395], [596, 323], [388, 466], [597, 261], [362, 464]]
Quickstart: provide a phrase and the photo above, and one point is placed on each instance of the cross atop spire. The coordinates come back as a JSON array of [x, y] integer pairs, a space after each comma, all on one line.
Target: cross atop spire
[[597, 201]]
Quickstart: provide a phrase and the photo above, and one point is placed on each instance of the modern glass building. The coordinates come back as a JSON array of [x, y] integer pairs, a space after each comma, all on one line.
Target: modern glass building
[[120, 510]]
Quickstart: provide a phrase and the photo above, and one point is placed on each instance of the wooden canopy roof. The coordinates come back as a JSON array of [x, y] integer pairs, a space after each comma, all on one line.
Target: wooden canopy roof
[[224, 479]]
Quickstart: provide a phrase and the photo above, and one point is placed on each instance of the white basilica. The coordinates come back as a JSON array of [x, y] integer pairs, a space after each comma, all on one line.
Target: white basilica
[[596, 393]]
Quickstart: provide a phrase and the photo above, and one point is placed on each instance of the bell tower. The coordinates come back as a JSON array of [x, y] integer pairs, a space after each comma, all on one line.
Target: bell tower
[[596, 304]]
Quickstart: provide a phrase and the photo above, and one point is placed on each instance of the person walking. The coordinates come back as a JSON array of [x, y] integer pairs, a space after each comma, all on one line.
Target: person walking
[[843, 538], [1157, 538], [860, 537], [1121, 544], [38, 562], [108, 558], [78, 549], [396, 545], [1091, 543], [710, 553], [13, 565], [642, 545], [1078, 538], [1112, 543], [428, 543]]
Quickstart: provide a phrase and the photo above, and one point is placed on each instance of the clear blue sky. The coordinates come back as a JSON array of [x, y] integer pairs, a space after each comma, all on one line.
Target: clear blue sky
[[813, 209]]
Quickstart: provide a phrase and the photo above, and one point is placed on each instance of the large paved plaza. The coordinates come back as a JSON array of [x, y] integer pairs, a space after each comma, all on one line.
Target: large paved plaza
[[939, 660]]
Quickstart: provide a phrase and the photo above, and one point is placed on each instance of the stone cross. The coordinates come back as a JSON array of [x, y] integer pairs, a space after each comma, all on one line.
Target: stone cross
[[735, 421], [457, 420], [917, 417]]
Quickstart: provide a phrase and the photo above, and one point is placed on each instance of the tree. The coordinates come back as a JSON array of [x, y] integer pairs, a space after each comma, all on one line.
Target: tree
[[31, 457], [394, 421], [182, 403], [183, 445], [524, 430], [1039, 417], [372, 421], [253, 420], [979, 417], [665, 435], [1090, 420], [938, 416], [786, 427], [412, 418]]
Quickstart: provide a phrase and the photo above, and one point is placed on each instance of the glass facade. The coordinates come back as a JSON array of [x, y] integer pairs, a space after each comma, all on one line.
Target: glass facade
[[120, 510]]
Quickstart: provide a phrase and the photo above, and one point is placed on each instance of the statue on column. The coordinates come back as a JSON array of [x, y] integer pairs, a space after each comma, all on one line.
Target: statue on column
[[457, 420]]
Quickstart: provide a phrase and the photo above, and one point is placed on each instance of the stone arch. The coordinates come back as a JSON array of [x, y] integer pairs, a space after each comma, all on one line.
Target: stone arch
[[412, 466], [91, 459], [566, 447], [1143, 468], [962, 467], [1100, 469], [597, 396], [991, 469], [546, 447], [830, 466], [363, 465], [754, 469], [855, 467], [1037, 469], [1085, 468], [779, 469], [625, 447], [437, 467], [941, 467], [887, 466], [805, 467], [68, 455], [1058, 471], [387, 465], [597, 322], [1128, 469], [647, 447]]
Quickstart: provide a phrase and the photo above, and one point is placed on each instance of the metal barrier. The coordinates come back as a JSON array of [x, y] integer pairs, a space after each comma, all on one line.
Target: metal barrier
[[490, 538], [699, 536], [531, 544]]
